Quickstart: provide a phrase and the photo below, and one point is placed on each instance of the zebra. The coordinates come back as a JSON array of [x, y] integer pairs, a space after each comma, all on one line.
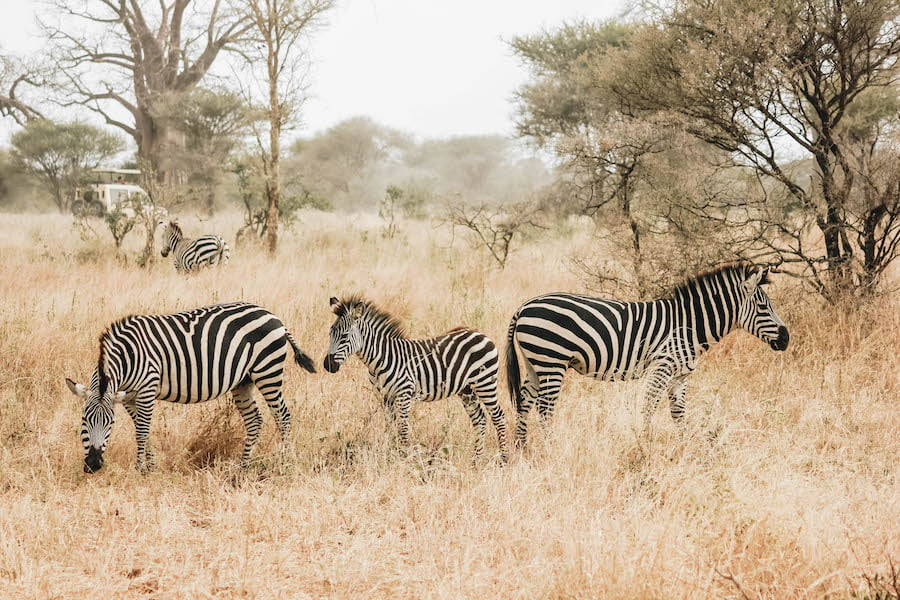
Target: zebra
[[462, 361], [186, 357], [193, 254], [660, 340]]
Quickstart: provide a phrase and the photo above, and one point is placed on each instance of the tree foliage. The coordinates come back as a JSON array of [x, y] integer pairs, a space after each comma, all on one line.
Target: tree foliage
[[782, 88], [792, 106], [212, 124], [609, 162], [61, 155]]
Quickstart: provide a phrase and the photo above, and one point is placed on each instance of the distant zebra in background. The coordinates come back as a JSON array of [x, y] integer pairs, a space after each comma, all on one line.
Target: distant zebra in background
[[612, 340], [193, 254], [186, 357], [462, 361]]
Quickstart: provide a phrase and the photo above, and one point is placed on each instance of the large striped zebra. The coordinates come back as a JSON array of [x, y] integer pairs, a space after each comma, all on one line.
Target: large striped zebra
[[462, 361], [612, 340], [193, 254], [187, 357]]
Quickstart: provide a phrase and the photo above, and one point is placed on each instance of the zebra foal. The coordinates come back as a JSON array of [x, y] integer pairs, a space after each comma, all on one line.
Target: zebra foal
[[460, 362], [661, 340], [193, 254], [187, 357]]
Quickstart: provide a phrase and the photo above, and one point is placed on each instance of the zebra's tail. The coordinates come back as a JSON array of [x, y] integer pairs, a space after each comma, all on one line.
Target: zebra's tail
[[224, 252], [513, 376], [302, 358]]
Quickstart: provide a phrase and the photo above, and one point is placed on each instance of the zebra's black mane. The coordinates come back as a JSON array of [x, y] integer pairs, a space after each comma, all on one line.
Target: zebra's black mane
[[103, 380], [174, 225], [104, 342], [377, 314], [744, 268]]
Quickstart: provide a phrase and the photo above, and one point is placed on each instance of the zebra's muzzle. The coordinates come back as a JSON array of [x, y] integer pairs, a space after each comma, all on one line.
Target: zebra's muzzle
[[781, 342], [331, 365], [93, 462]]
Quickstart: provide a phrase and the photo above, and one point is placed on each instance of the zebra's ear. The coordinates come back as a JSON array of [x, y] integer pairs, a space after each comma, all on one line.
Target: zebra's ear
[[764, 276], [754, 277], [335, 305], [76, 388]]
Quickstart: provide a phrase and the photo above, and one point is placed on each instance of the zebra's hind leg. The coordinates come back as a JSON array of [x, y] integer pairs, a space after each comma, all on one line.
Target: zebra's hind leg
[[246, 406], [528, 394], [402, 406], [499, 421], [676, 393], [280, 412], [546, 401], [656, 385], [476, 415]]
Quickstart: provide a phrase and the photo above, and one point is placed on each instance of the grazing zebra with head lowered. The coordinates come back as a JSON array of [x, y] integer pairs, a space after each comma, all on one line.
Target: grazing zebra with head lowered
[[186, 357], [462, 361], [612, 340], [193, 254]]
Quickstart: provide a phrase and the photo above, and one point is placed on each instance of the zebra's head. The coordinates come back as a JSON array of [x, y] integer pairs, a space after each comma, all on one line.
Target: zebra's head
[[171, 234], [97, 419], [345, 334], [756, 313]]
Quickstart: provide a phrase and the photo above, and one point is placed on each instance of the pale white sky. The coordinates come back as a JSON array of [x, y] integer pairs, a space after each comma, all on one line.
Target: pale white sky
[[434, 68]]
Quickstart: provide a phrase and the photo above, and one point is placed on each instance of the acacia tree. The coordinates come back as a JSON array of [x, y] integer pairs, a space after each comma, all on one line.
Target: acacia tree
[[276, 40], [772, 84], [123, 58], [212, 124], [60, 155], [605, 155]]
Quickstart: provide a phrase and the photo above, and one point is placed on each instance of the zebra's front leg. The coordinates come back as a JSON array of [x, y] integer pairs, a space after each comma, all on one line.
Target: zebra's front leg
[[143, 413], [246, 406], [476, 415], [131, 409]]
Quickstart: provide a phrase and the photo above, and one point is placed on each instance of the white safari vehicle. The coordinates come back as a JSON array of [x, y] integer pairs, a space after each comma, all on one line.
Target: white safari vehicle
[[114, 189]]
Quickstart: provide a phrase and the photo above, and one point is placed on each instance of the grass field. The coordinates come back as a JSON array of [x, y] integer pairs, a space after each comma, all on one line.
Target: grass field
[[785, 483]]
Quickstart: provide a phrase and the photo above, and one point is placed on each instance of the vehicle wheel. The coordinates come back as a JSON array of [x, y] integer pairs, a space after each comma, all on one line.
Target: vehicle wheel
[[95, 209], [78, 208]]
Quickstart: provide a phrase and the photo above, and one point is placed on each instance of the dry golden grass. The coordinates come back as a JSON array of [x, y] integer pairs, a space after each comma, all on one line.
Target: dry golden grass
[[784, 485]]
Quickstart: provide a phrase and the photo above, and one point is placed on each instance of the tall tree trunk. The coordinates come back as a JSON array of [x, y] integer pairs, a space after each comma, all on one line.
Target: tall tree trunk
[[833, 225], [273, 190]]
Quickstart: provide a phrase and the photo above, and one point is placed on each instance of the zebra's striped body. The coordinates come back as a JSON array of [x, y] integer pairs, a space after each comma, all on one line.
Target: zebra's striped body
[[186, 357], [661, 340], [461, 362], [193, 254]]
